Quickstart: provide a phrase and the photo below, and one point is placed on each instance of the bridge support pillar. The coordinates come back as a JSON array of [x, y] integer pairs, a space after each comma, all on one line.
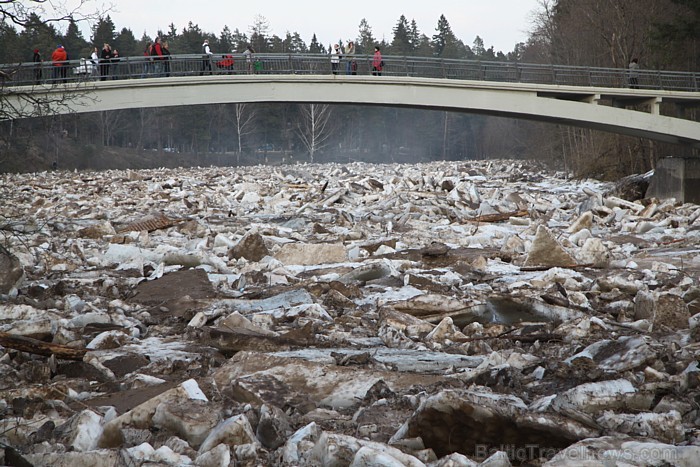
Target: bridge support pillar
[[676, 177]]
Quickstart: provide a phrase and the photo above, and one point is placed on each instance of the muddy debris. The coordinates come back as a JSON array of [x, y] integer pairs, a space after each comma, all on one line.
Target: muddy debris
[[438, 314]]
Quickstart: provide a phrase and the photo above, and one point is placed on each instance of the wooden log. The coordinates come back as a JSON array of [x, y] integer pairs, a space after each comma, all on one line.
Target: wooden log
[[34, 346], [500, 217]]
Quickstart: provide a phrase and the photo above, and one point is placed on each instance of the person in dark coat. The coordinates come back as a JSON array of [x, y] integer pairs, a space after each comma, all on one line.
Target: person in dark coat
[[165, 47], [37, 66], [105, 59]]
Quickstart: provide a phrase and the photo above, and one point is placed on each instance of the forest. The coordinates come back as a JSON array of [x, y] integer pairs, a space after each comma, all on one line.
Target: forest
[[663, 34]]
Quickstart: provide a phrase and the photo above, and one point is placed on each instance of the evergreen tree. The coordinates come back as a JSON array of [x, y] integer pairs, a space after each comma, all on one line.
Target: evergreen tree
[[297, 44], [36, 35], [103, 32], [226, 40], [126, 43], [414, 36], [172, 32], [445, 43], [240, 40], [191, 39], [143, 42], [365, 40], [11, 50], [401, 43], [315, 47], [75, 44], [276, 44], [478, 47]]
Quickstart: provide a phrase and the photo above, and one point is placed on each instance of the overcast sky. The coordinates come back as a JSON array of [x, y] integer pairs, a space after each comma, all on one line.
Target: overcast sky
[[500, 23]]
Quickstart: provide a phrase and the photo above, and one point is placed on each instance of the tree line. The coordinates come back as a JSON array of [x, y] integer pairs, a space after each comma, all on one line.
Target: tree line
[[663, 34], [37, 33]]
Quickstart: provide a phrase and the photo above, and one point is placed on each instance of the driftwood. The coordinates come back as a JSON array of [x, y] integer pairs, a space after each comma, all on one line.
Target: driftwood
[[500, 217], [238, 339], [527, 338], [35, 346], [563, 266]]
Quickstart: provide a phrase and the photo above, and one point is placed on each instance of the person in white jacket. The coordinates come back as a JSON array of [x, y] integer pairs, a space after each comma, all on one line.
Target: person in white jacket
[[206, 61], [335, 59]]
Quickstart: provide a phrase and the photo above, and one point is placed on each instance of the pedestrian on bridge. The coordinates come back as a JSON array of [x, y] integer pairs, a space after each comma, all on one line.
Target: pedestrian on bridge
[[335, 59], [634, 73], [147, 65], [37, 66], [157, 54], [60, 62], [166, 57], [206, 62], [105, 58], [351, 65], [248, 54], [377, 62]]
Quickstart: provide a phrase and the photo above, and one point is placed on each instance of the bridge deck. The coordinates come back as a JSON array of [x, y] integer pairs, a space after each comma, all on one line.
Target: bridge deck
[[141, 83]]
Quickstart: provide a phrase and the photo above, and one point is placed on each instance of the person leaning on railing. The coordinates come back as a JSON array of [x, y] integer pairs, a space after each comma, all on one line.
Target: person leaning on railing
[[634, 73]]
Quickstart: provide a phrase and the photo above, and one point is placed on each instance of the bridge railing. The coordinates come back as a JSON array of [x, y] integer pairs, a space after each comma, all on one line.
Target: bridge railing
[[139, 67]]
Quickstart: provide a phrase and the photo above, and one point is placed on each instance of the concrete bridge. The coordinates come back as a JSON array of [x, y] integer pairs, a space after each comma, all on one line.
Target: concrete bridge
[[609, 107]]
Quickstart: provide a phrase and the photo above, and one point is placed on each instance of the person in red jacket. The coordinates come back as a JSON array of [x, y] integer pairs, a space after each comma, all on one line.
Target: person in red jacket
[[60, 59], [377, 62], [157, 54]]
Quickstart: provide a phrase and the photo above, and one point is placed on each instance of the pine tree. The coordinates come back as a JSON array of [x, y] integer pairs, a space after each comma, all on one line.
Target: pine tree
[[365, 40], [414, 36], [103, 32], [11, 51], [126, 43], [315, 47], [36, 35], [226, 40], [74, 42], [445, 43], [401, 43]]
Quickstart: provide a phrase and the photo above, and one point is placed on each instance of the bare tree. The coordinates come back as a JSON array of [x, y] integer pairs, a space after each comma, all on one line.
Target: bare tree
[[244, 116], [24, 101], [18, 12], [313, 127], [259, 31]]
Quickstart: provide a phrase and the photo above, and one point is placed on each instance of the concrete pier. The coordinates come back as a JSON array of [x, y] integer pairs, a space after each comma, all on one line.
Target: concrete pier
[[676, 177]]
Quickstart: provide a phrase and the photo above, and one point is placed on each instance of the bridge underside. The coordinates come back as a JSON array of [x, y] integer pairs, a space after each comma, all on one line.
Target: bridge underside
[[575, 106]]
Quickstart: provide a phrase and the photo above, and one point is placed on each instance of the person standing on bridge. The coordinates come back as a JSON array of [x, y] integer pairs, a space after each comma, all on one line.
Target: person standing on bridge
[[94, 58], [248, 54], [206, 62], [37, 66], [634, 73], [351, 65], [166, 57], [335, 59], [377, 62], [157, 54], [105, 59], [60, 62]]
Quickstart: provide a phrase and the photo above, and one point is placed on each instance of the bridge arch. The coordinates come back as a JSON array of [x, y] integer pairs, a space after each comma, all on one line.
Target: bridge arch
[[572, 105]]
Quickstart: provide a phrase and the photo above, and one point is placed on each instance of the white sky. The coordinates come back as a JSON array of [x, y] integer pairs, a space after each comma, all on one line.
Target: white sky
[[500, 23]]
